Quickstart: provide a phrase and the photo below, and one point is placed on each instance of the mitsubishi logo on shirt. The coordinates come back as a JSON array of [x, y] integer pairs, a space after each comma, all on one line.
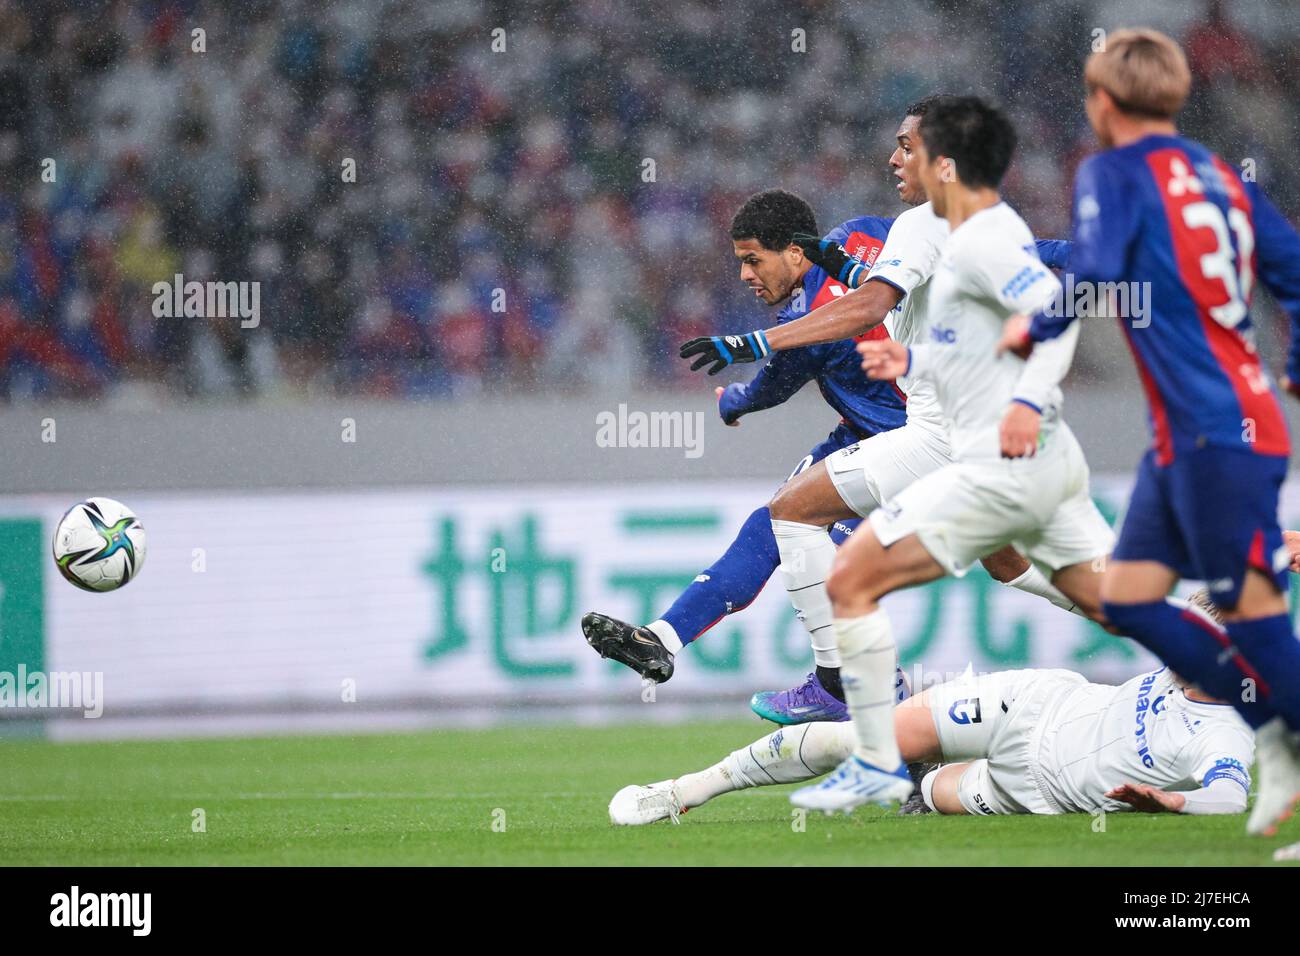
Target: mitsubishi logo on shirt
[[1181, 180]]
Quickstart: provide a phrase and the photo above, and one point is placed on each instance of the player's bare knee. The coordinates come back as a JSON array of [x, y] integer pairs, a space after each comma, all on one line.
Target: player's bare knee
[[784, 505], [1006, 565], [849, 586]]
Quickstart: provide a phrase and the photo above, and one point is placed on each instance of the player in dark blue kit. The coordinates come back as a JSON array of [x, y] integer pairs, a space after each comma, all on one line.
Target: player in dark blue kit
[[1160, 209], [778, 269]]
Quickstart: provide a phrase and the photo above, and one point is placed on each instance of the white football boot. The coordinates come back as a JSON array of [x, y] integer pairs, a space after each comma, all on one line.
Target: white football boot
[[1277, 757], [636, 806], [1287, 854], [853, 783]]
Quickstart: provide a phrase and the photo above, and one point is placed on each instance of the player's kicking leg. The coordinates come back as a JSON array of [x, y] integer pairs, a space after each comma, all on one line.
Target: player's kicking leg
[[729, 585]]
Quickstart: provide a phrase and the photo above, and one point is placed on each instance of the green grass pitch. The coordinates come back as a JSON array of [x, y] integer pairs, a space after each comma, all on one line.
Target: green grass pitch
[[433, 798]]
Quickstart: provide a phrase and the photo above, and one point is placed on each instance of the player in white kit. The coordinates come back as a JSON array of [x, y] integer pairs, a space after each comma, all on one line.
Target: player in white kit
[[858, 479], [1018, 478], [1028, 741]]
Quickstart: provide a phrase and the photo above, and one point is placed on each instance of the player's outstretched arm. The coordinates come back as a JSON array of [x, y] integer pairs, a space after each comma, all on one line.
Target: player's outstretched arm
[[842, 318], [1221, 796], [774, 384]]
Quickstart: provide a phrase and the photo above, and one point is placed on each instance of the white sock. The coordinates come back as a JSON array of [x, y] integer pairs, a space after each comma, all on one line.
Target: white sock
[[667, 634], [807, 553], [1034, 581], [867, 672], [788, 755]]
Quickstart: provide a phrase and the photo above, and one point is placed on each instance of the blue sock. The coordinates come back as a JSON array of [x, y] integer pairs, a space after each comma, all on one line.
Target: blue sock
[[730, 583], [1194, 649], [1270, 646]]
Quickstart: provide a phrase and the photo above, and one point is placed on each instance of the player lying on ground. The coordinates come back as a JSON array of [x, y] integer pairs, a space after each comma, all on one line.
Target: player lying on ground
[[772, 236], [1018, 475], [1027, 741], [1158, 209]]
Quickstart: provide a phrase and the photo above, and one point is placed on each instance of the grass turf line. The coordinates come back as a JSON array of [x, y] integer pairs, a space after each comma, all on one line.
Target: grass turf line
[[430, 797]]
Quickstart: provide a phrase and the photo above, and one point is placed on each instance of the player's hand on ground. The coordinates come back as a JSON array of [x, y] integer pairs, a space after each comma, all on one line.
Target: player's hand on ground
[[1291, 540], [1147, 799], [884, 358], [831, 256], [1015, 337], [1019, 431], [724, 350], [729, 418]]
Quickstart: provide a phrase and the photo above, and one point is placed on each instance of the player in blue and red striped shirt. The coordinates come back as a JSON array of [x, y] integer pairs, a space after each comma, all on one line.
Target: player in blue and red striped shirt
[[1158, 209]]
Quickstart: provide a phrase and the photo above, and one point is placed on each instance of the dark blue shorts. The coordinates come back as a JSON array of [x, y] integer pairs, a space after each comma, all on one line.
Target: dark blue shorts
[[1210, 515]]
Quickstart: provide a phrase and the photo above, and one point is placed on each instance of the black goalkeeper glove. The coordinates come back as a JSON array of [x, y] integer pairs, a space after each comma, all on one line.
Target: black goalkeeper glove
[[832, 257], [724, 350]]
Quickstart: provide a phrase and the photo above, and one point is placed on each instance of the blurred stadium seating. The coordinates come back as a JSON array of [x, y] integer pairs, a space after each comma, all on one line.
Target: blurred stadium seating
[[519, 170]]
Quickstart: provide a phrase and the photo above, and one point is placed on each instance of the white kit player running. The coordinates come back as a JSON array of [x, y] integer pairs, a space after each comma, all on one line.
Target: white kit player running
[[1019, 477], [1027, 741]]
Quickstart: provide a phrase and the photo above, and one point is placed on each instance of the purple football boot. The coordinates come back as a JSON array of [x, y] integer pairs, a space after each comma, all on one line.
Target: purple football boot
[[810, 701]]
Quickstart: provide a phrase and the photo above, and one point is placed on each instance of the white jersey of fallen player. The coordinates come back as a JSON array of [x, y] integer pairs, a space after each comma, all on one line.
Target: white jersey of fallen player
[[988, 271], [907, 262], [1096, 737]]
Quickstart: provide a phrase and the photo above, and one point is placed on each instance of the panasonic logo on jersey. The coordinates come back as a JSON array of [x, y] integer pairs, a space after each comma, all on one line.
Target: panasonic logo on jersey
[[1143, 705]]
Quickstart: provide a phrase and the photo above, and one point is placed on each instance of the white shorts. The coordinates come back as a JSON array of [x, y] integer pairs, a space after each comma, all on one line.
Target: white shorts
[[968, 510], [872, 471], [991, 720]]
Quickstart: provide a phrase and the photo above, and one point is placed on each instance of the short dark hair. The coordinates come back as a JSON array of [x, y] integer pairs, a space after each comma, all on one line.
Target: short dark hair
[[773, 217], [922, 106], [976, 135]]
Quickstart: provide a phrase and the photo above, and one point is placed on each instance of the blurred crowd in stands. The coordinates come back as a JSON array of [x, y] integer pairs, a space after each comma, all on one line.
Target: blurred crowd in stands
[[543, 208]]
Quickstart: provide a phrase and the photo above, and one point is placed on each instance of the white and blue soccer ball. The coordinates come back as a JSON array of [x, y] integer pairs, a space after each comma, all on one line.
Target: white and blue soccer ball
[[99, 544]]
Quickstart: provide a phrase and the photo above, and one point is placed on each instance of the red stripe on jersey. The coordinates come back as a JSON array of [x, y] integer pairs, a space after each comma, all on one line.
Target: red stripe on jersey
[[1159, 414], [831, 289], [867, 249], [1180, 188], [1256, 557]]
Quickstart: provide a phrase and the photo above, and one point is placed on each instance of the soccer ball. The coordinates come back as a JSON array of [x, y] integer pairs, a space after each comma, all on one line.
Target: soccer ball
[[99, 544]]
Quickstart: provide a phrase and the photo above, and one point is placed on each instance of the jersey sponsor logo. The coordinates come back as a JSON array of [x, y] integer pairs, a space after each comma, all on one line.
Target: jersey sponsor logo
[[864, 248], [1022, 280], [943, 335], [1143, 706], [966, 711]]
